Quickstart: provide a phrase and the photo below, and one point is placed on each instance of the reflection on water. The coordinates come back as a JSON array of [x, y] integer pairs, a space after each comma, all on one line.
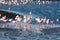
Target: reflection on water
[[25, 26], [17, 25], [28, 35], [29, 26], [27, 32]]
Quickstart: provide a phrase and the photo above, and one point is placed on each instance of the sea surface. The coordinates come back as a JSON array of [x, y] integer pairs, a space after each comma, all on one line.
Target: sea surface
[[51, 11]]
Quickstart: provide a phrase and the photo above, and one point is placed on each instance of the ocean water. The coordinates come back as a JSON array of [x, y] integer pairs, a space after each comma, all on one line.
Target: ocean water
[[51, 11]]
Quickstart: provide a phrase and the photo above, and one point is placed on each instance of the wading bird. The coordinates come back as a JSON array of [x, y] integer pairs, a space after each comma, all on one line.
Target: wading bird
[[29, 18], [38, 20], [3, 19], [47, 22], [44, 20], [10, 20], [25, 21]]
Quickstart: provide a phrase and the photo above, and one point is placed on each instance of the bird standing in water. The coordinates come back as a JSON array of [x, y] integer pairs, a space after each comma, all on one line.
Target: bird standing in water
[[29, 18], [18, 20], [25, 23]]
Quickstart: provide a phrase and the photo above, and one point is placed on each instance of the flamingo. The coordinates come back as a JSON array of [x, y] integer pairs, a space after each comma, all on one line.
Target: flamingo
[[10, 20], [44, 20], [47, 21], [29, 18], [16, 17], [30, 15], [38, 20], [3, 18], [25, 21], [13, 21], [3, 2], [18, 22], [19, 19]]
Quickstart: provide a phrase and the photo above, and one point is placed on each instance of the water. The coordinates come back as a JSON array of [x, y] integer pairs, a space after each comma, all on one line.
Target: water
[[27, 35], [51, 11]]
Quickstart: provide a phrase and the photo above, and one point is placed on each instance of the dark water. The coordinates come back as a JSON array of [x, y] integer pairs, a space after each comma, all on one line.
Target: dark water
[[27, 35], [51, 11]]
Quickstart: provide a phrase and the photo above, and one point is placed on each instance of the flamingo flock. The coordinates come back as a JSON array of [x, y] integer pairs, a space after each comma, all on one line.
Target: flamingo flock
[[18, 2], [26, 21], [43, 20]]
